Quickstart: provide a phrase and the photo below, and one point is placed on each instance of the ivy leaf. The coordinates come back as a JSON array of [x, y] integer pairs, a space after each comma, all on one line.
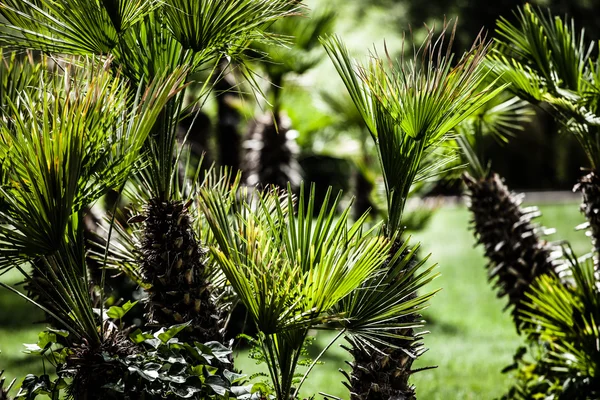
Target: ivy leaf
[[171, 332], [116, 312], [139, 337], [218, 384], [233, 377], [219, 351]]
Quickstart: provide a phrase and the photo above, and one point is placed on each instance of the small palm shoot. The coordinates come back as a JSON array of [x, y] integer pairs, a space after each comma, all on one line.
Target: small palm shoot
[[410, 107], [295, 271]]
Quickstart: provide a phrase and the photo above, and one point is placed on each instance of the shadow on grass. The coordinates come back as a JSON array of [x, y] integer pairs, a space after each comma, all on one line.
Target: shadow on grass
[[29, 363], [440, 327], [17, 312]]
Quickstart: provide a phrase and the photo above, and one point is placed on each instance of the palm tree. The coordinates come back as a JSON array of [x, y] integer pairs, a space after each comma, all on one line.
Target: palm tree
[[548, 62], [148, 39], [517, 254], [409, 108], [66, 141], [271, 148]]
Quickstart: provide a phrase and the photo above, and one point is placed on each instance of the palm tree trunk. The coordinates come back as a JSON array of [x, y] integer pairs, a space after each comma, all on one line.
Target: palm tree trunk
[[272, 150], [516, 254], [589, 186], [172, 263]]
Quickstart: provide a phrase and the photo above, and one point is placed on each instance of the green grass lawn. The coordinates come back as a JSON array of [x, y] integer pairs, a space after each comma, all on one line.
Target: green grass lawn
[[471, 338]]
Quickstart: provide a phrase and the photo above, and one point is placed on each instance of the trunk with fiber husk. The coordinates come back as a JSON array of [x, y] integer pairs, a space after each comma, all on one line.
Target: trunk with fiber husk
[[271, 153], [516, 254], [384, 373], [172, 262], [589, 186]]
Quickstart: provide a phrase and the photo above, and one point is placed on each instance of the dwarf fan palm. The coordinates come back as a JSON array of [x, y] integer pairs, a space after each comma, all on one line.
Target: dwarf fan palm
[[298, 270], [148, 39], [64, 142], [409, 108]]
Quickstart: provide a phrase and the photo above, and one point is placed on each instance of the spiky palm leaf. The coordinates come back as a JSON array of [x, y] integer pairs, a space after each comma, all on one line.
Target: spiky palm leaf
[[63, 145], [547, 59], [412, 106]]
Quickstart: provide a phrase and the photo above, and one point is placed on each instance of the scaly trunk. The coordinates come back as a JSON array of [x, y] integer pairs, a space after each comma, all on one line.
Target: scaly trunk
[[383, 374], [172, 262], [589, 186], [271, 155], [516, 254]]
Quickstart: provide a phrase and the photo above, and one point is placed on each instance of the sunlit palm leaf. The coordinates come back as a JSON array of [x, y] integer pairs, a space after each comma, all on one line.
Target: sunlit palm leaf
[[65, 144], [411, 106], [566, 317], [373, 314]]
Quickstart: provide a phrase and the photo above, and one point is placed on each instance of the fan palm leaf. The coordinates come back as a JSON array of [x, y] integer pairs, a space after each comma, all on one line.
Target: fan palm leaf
[[564, 318], [412, 106]]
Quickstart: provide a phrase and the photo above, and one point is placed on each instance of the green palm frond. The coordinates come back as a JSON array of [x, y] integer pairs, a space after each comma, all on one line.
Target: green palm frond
[[18, 72], [373, 314], [548, 44], [566, 318], [411, 106], [209, 24], [319, 261], [545, 59], [64, 145], [302, 52], [521, 80], [73, 27]]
